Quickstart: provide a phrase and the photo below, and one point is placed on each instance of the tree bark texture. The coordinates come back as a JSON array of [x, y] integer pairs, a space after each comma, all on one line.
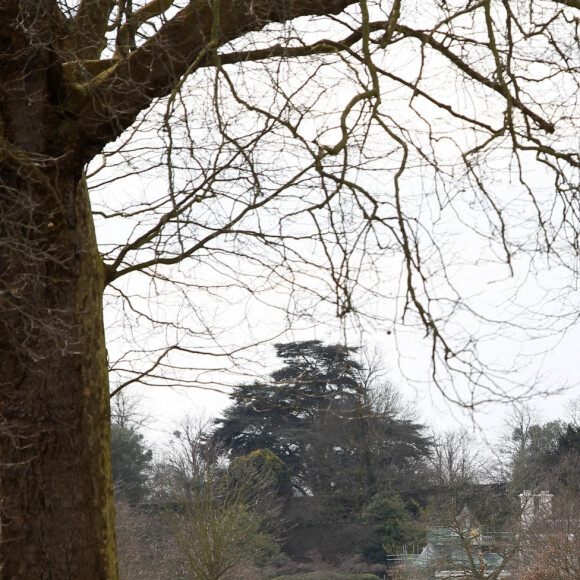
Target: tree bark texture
[[59, 106], [55, 476], [56, 508]]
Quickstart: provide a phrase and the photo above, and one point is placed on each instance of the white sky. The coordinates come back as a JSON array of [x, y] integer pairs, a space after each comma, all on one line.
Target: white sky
[[545, 355]]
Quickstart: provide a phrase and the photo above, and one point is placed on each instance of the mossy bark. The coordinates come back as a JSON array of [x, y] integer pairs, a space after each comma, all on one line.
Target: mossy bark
[[56, 510], [56, 513]]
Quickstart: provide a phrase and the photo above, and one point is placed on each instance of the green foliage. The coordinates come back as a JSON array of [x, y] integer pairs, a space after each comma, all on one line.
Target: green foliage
[[393, 525], [265, 460], [317, 416], [569, 441], [266, 465], [281, 415], [265, 549], [564, 463], [546, 456], [131, 462]]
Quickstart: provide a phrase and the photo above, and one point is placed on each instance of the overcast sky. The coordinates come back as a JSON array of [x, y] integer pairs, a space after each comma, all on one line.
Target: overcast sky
[[510, 321]]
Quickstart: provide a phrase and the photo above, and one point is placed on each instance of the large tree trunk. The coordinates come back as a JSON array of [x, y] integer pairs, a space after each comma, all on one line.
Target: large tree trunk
[[56, 511], [55, 475], [59, 106]]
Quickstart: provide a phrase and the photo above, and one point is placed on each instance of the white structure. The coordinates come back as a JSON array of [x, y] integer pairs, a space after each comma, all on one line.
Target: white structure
[[535, 505]]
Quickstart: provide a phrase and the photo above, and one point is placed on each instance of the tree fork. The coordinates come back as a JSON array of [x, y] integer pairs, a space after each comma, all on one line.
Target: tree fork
[[56, 510]]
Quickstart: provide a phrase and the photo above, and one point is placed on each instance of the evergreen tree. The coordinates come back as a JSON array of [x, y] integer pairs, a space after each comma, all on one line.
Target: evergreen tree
[[131, 461], [564, 464], [316, 414], [393, 527], [534, 454]]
